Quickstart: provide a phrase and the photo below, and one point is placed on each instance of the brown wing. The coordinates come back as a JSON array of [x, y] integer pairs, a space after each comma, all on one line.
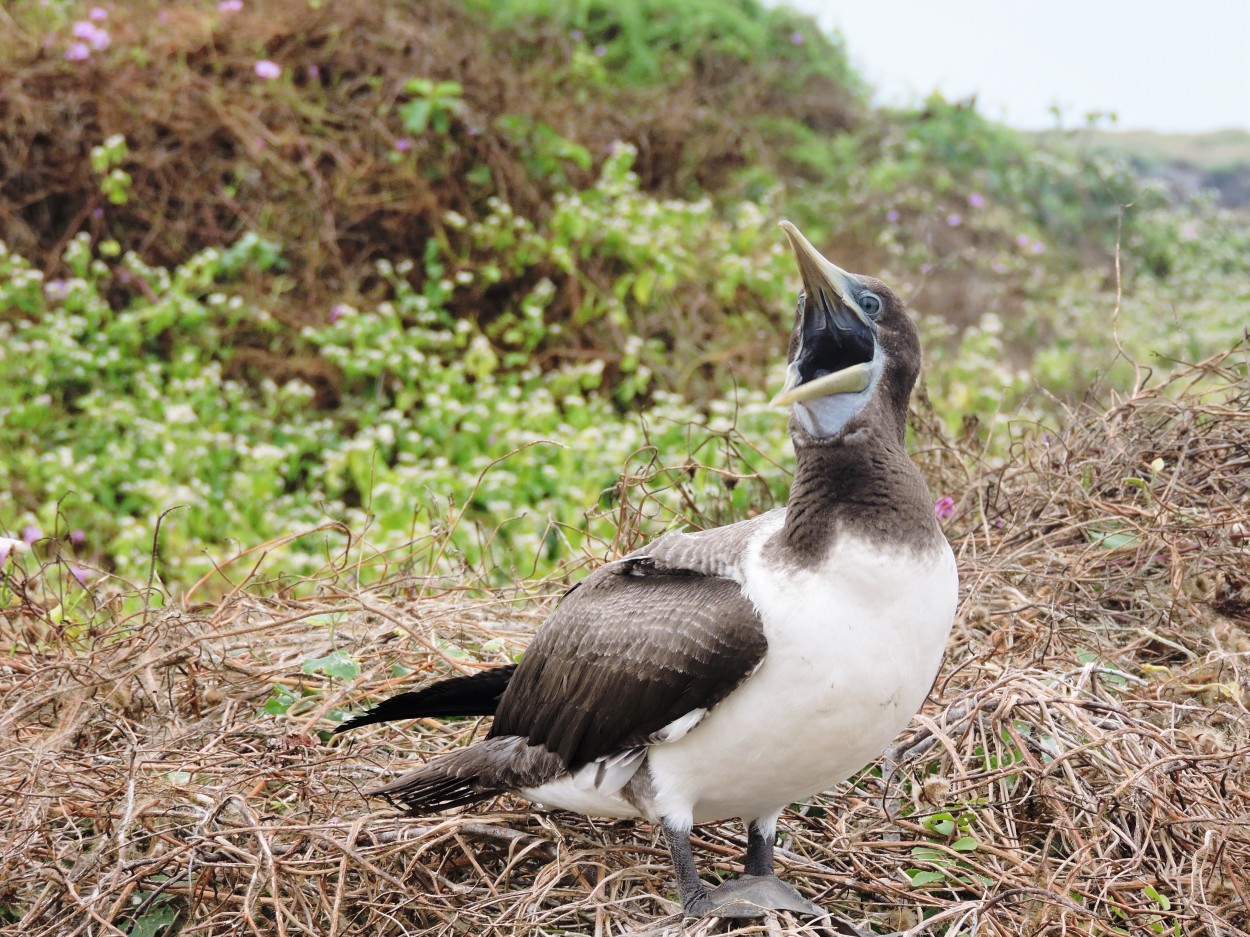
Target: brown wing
[[636, 645]]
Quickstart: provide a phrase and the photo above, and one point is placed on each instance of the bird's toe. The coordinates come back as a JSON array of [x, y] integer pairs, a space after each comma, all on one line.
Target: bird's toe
[[751, 896]]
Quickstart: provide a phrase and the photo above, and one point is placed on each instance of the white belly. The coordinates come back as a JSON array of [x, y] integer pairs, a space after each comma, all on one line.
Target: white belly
[[853, 648]]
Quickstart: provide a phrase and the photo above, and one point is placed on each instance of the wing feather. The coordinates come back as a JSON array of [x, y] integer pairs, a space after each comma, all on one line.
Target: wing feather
[[639, 644]]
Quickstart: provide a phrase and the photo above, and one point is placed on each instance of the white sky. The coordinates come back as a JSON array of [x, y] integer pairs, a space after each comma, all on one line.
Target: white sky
[[1167, 65]]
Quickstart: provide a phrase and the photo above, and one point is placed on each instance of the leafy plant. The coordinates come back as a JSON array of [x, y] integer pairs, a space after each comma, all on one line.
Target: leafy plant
[[432, 106], [106, 160]]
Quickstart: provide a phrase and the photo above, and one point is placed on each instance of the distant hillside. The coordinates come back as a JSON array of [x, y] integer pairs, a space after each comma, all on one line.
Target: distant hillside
[[1189, 163]]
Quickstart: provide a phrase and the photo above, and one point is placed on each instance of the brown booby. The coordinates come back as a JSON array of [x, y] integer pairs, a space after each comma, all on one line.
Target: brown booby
[[730, 672]]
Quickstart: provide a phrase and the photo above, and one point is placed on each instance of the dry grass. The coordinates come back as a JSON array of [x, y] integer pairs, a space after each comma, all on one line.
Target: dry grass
[[1087, 738]]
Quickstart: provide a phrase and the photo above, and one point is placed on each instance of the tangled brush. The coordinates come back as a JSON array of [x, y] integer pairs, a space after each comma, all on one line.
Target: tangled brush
[[1081, 766]]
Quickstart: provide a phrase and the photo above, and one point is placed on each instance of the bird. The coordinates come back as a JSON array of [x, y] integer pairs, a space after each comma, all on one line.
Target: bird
[[728, 673]]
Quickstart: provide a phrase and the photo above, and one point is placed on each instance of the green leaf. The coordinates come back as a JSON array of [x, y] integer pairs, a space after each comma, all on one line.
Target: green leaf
[[964, 844], [154, 921], [642, 285], [924, 876], [415, 115], [335, 664]]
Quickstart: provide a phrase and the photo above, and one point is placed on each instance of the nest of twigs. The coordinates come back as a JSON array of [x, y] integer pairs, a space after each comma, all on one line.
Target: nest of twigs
[[1080, 768]]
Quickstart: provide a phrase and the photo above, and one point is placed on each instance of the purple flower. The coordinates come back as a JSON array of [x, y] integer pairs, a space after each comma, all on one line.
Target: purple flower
[[954, 219], [77, 537], [313, 71], [230, 6], [55, 291], [1037, 247], [80, 574], [403, 145], [31, 533], [998, 267], [97, 212], [1022, 240], [797, 38], [78, 52], [892, 215], [267, 70], [944, 507], [90, 33], [576, 35], [976, 200], [337, 311], [98, 14], [601, 51], [925, 268]]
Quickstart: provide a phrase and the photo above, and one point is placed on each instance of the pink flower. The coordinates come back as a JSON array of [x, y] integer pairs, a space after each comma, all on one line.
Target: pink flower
[[267, 69], [90, 33], [1037, 247], [31, 533], [337, 311], [944, 507], [976, 200], [77, 537], [403, 145], [313, 71], [1022, 240], [99, 14], [55, 291], [79, 574], [230, 6], [78, 52], [954, 219]]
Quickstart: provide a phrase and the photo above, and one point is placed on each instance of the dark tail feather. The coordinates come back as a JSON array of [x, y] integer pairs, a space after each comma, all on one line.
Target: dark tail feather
[[471, 774], [476, 694], [424, 791]]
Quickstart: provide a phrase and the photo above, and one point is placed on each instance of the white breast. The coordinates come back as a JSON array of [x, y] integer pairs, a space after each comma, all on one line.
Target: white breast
[[854, 646]]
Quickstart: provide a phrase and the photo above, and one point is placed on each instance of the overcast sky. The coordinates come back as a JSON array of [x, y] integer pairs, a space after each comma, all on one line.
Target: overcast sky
[[1166, 65]]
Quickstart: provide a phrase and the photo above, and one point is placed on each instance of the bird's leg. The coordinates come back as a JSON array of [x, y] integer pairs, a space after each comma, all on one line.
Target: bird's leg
[[761, 833], [750, 896], [691, 888]]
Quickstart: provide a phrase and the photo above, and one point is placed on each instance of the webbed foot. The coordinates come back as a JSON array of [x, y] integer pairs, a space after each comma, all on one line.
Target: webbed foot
[[751, 896]]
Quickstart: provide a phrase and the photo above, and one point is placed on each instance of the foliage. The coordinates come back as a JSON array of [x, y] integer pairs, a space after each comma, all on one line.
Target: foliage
[[649, 42], [496, 310], [115, 414]]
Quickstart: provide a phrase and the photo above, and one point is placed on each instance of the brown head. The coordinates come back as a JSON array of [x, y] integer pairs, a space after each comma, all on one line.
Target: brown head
[[854, 353]]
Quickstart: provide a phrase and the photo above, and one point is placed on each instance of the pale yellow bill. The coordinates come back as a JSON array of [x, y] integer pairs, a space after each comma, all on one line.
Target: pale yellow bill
[[849, 380]]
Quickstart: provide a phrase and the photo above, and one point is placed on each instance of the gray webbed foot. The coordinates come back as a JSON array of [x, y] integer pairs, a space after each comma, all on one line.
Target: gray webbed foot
[[751, 896]]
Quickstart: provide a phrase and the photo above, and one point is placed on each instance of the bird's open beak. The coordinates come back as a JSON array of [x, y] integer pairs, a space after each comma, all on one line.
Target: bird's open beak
[[831, 316]]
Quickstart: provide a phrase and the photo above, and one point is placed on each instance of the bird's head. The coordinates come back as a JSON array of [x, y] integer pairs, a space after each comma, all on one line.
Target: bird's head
[[853, 348]]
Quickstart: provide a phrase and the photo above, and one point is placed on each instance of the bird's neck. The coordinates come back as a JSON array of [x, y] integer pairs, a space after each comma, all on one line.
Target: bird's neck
[[860, 483]]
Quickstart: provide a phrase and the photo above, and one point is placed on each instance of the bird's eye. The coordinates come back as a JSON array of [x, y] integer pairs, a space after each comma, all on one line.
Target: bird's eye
[[870, 303]]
